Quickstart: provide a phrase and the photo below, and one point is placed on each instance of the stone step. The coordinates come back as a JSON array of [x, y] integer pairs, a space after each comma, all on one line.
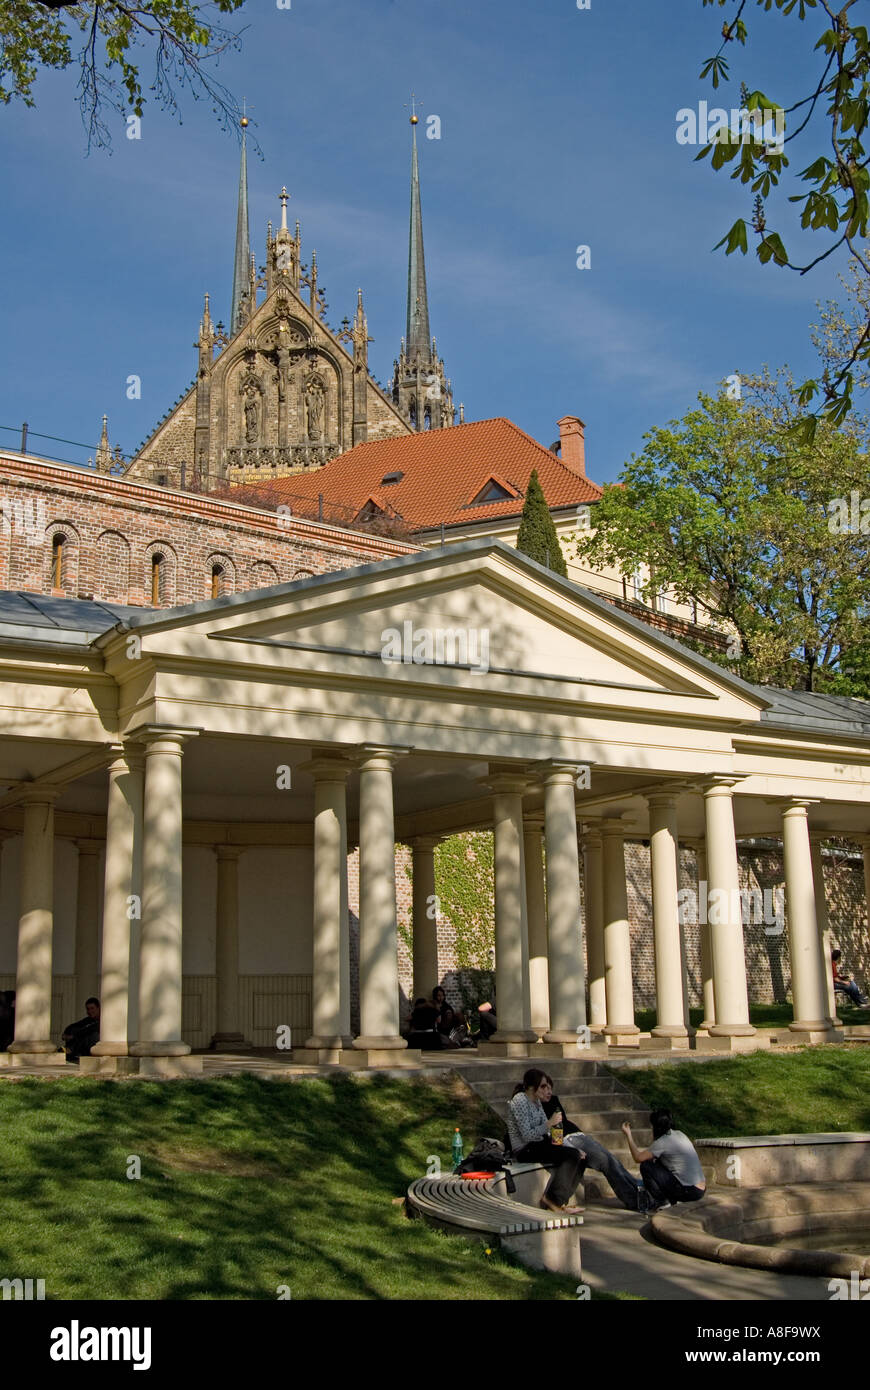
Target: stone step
[[506, 1068], [596, 1086]]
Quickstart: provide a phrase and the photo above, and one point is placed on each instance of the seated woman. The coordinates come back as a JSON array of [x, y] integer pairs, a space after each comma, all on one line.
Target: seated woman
[[529, 1131], [446, 1025], [424, 1027]]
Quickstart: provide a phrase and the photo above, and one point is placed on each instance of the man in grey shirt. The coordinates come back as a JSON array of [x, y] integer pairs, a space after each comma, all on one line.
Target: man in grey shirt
[[670, 1167]]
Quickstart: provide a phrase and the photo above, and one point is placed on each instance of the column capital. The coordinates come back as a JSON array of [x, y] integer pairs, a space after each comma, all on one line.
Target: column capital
[[328, 767], [533, 820], [611, 827], [798, 806], [86, 846], [720, 784], [40, 794], [425, 842], [591, 837], [559, 769], [376, 754], [127, 758], [152, 735], [500, 778], [666, 794], [229, 852]]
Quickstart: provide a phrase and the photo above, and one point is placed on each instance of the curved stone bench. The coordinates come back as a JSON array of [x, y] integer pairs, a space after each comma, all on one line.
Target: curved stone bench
[[463, 1206]]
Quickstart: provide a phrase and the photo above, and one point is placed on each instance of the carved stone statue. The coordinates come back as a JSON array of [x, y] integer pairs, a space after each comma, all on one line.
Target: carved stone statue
[[252, 417], [314, 403]]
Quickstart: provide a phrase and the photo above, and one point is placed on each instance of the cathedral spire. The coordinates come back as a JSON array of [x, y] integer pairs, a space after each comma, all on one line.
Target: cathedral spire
[[418, 304], [243, 240]]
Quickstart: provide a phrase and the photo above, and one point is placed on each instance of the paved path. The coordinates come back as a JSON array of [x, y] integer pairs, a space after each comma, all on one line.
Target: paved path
[[618, 1256]]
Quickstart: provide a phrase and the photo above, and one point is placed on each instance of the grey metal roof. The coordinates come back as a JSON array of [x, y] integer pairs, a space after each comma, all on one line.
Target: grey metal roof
[[40, 618], [802, 709]]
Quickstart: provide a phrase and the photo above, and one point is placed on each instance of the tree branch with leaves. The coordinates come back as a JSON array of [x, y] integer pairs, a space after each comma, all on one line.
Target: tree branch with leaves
[[183, 39]]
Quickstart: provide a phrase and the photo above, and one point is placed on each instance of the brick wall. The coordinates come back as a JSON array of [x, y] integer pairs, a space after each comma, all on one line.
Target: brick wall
[[767, 958], [112, 528]]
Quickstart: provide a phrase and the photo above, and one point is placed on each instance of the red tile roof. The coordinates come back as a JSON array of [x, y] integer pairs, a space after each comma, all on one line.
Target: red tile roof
[[443, 471]]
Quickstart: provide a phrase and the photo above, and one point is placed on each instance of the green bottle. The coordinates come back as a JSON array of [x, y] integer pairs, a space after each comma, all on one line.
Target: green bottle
[[457, 1148]]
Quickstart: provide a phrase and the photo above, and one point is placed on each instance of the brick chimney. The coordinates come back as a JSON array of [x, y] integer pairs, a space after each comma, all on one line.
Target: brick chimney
[[572, 448]]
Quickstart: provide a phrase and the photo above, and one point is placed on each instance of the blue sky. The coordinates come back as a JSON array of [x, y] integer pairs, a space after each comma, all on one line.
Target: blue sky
[[557, 129]]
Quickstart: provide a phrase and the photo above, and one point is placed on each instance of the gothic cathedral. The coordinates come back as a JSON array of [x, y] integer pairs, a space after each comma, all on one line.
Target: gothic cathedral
[[280, 391]]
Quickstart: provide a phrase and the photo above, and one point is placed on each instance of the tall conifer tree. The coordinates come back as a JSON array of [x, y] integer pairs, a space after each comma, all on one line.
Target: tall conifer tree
[[537, 536]]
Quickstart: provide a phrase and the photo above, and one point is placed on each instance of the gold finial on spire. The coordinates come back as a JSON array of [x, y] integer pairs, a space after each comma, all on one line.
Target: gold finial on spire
[[244, 120], [284, 196], [415, 119]]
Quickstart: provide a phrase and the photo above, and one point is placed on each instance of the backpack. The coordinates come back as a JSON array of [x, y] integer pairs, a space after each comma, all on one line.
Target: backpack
[[487, 1156]]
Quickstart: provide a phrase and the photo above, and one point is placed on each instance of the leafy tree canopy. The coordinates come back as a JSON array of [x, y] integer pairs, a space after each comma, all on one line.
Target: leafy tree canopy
[[829, 124], [182, 37], [731, 509]]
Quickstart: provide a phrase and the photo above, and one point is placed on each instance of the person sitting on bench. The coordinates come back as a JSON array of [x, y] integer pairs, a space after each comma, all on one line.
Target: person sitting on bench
[[844, 984], [529, 1132], [78, 1038]]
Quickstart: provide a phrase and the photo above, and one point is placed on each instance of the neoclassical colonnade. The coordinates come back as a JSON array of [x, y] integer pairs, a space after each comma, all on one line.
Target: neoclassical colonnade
[[541, 982]]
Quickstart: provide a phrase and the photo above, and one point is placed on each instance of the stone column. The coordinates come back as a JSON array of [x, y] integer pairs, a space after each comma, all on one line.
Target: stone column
[[808, 983], [566, 975], [725, 913], [513, 1006], [87, 920], [664, 870], [228, 1036], [378, 936], [122, 908], [424, 915], [709, 996], [536, 911], [618, 983], [160, 978], [33, 979], [331, 949], [593, 893], [824, 924]]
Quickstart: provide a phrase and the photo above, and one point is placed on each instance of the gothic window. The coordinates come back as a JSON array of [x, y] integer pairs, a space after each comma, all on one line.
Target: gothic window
[[221, 574], [57, 548], [158, 564], [427, 418]]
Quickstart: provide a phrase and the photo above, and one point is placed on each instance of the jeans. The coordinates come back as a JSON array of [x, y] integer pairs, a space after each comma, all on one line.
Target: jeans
[[567, 1162], [603, 1161], [851, 989], [662, 1186]]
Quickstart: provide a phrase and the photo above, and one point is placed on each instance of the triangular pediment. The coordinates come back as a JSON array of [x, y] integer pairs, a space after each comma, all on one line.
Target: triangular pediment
[[480, 607]]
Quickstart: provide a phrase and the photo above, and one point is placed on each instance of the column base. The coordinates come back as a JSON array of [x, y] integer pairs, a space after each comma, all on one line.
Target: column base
[[380, 1057], [497, 1046], [111, 1049], [596, 1047], [33, 1059], [175, 1064], [33, 1045], [718, 1042], [820, 1031], [174, 1048], [109, 1064], [622, 1034], [731, 1030], [391, 1042], [668, 1042], [230, 1042]]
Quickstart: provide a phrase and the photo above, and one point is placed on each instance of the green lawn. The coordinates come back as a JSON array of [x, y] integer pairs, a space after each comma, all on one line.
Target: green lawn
[[762, 1015], [246, 1185], [816, 1089]]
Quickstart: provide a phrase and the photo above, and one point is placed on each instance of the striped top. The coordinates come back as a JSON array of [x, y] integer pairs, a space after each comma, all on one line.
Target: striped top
[[526, 1121]]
